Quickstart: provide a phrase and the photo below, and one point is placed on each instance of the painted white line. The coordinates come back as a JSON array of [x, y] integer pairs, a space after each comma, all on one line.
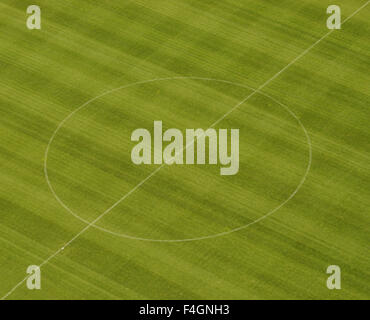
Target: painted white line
[[155, 171], [184, 148], [288, 65]]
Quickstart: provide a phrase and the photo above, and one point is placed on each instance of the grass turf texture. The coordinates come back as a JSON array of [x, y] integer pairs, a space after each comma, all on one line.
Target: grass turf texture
[[89, 47]]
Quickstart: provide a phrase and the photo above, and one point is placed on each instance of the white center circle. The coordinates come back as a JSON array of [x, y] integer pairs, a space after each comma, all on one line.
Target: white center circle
[[93, 223]]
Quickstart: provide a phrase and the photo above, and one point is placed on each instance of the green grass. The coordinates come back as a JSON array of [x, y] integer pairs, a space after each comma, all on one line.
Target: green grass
[[87, 48]]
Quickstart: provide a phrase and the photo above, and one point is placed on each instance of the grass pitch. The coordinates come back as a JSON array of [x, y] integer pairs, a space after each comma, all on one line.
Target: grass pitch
[[87, 48]]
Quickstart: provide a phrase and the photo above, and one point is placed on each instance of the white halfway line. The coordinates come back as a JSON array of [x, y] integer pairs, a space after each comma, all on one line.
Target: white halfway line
[[159, 168]]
